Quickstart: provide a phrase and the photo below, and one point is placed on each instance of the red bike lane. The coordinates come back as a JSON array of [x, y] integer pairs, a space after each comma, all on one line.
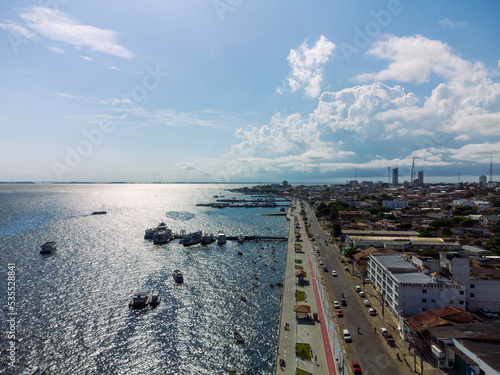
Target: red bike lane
[[330, 361]]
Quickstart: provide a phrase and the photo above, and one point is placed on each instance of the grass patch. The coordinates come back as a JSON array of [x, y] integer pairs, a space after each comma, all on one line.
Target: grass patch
[[303, 351], [300, 295], [303, 372], [298, 261]]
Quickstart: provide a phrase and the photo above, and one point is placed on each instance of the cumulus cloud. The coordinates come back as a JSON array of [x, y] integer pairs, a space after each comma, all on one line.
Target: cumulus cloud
[[445, 22], [307, 66], [58, 26]]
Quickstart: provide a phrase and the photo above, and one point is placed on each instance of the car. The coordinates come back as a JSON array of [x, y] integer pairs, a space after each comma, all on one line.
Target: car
[[346, 268], [320, 257], [362, 294], [389, 338], [347, 335], [372, 311], [340, 314], [317, 250], [343, 302], [336, 304], [326, 242], [356, 368], [342, 260], [384, 331], [334, 273], [366, 302], [321, 262], [358, 288], [325, 268]]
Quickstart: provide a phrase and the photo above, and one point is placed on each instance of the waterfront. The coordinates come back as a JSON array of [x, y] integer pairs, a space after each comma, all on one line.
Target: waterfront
[[72, 305]]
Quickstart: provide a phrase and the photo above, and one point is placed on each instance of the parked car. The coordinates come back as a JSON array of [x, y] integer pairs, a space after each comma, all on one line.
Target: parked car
[[334, 273], [362, 294], [321, 262], [336, 304], [325, 268], [346, 268], [366, 302], [383, 331], [342, 260], [340, 314], [358, 288], [372, 311], [343, 302], [347, 336], [356, 368]]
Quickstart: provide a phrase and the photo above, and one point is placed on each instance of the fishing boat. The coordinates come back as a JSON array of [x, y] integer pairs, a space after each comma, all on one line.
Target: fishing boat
[[238, 337], [48, 248], [140, 299], [178, 276]]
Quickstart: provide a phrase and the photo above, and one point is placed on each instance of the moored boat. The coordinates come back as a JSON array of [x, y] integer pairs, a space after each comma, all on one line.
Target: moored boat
[[238, 337], [140, 299], [241, 239], [162, 236], [191, 238], [155, 299], [178, 276], [48, 248], [221, 238], [207, 239]]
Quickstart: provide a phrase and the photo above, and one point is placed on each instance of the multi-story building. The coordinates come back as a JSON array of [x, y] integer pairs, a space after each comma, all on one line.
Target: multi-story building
[[395, 176], [409, 292]]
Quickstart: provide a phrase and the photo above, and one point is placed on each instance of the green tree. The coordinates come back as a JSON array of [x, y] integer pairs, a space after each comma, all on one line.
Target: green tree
[[337, 230], [493, 245]]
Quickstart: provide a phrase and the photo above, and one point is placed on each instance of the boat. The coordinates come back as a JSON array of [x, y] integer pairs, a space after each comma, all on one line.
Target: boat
[[238, 337], [178, 276], [48, 248], [221, 238], [140, 299], [149, 233], [241, 239], [207, 239], [243, 298], [191, 238], [155, 299], [240, 252], [99, 213], [36, 370], [162, 236]]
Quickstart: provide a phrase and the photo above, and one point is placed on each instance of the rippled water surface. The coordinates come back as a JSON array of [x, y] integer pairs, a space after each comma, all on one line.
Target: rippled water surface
[[72, 305]]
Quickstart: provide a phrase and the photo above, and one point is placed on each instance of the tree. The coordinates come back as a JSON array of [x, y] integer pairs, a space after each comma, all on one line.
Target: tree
[[406, 226], [493, 245], [334, 214], [337, 230]]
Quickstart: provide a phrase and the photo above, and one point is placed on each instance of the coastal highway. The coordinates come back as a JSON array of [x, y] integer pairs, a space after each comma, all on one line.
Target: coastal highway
[[368, 348]]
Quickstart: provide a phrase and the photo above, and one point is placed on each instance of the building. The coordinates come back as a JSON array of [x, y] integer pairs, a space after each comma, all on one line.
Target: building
[[420, 179], [408, 292], [401, 243], [482, 179], [395, 203], [395, 176]]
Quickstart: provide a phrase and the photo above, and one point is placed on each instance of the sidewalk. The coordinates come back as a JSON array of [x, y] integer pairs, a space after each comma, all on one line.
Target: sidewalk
[[306, 331]]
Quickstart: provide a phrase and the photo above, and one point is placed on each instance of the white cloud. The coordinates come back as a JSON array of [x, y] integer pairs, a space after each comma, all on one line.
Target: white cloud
[[56, 49], [113, 68], [452, 25], [462, 137], [307, 66], [278, 91], [86, 58], [59, 26]]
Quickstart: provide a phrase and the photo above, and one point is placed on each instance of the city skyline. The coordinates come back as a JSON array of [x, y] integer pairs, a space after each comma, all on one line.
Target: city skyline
[[235, 91]]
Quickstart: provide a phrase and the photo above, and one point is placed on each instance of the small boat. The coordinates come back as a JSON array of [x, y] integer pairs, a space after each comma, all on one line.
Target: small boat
[[178, 276], [238, 337], [140, 299], [241, 239], [149, 233], [99, 213], [162, 236], [243, 298], [255, 285], [240, 252], [271, 285], [36, 370], [256, 276], [155, 299], [207, 239], [265, 264], [221, 238], [273, 268], [48, 248]]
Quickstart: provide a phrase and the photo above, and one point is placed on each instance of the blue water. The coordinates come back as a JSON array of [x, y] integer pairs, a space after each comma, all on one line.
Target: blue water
[[72, 305]]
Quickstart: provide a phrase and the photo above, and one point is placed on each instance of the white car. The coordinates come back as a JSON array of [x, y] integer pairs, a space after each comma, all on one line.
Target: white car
[[334, 273], [358, 288], [366, 302], [372, 311], [362, 294], [320, 262], [336, 304], [384, 331]]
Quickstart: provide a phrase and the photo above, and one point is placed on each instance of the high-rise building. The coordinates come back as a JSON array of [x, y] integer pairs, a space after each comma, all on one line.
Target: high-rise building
[[482, 179], [395, 176], [420, 179]]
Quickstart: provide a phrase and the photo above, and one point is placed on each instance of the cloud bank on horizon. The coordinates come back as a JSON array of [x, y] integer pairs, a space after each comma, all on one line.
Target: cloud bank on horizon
[[110, 106]]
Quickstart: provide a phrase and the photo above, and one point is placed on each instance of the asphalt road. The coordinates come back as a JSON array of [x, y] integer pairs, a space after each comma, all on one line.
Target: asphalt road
[[367, 347]]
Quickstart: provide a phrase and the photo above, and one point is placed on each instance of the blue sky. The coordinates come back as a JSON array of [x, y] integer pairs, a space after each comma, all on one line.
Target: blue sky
[[242, 91]]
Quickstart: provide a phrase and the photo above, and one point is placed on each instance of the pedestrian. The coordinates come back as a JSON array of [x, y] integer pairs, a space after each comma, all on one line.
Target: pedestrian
[[374, 330], [316, 359]]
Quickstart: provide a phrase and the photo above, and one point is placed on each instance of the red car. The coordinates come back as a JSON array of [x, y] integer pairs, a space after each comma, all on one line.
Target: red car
[[355, 368], [339, 313]]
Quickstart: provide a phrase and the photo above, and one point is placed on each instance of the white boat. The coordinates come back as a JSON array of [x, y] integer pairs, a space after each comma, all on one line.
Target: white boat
[[48, 247], [162, 236], [191, 238], [178, 276], [140, 299], [36, 370], [221, 238]]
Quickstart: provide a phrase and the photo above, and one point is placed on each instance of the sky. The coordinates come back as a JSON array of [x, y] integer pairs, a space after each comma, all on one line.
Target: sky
[[245, 91]]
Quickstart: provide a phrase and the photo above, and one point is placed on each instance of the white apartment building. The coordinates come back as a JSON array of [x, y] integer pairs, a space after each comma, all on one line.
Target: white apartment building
[[407, 291]]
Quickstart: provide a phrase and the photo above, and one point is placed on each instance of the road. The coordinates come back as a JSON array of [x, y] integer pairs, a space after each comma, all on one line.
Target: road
[[367, 347]]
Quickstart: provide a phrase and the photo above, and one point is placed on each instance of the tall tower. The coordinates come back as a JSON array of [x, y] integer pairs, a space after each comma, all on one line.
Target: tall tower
[[395, 176], [491, 168], [412, 176], [388, 175]]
